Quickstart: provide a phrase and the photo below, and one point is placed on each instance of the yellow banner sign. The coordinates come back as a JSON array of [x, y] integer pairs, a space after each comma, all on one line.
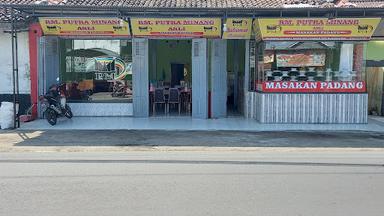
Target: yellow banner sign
[[176, 27], [237, 28], [85, 26], [316, 28]]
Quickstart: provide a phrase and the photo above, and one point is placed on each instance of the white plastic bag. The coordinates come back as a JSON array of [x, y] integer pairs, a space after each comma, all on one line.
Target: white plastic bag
[[6, 115]]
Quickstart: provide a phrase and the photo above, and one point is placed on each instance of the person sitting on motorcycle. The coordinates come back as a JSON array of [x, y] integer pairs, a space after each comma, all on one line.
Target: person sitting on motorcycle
[[53, 95], [53, 91], [56, 91]]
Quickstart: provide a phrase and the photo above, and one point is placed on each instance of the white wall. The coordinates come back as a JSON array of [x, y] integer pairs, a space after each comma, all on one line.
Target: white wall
[[346, 57], [6, 86], [102, 109], [113, 45]]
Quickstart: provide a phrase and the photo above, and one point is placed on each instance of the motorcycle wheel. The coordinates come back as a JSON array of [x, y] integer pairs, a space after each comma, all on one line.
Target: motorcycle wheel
[[68, 112], [51, 116]]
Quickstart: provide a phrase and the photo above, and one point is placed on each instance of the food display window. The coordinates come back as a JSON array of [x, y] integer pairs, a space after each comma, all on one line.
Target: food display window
[[309, 66], [310, 70]]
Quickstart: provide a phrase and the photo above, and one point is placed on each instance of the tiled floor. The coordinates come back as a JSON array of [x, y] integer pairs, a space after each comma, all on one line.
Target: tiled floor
[[187, 123], [377, 118]]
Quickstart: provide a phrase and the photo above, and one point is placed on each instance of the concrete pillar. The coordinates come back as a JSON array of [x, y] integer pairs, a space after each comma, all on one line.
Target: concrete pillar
[[199, 78], [140, 77]]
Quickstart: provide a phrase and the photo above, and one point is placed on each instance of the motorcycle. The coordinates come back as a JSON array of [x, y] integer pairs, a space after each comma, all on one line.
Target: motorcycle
[[54, 104], [120, 89]]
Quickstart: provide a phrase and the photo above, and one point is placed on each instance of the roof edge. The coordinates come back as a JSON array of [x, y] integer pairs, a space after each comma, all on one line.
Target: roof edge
[[29, 6]]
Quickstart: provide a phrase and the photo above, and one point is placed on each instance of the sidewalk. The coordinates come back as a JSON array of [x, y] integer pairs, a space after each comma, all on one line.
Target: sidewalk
[[136, 134], [133, 140], [188, 124]]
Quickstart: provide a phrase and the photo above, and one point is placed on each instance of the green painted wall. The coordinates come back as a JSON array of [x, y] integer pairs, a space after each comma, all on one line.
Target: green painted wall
[[230, 59], [209, 55], [231, 55], [241, 48], [375, 50], [333, 58], [168, 52]]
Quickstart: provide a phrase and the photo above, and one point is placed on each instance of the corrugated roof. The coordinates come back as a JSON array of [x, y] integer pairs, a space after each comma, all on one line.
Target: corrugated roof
[[309, 3], [204, 3], [159, 3], [25, 2], [368, 3], [5, 14]]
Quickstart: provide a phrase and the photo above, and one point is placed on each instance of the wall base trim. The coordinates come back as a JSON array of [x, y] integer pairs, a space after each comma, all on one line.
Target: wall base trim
[[101, 109]]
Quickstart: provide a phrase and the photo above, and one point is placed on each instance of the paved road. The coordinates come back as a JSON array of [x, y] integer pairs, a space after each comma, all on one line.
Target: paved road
[[269, 183], [29, 140]]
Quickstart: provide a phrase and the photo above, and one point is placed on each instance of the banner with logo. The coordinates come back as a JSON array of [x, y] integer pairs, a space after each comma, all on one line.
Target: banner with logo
[[85, 27], [316, 28], [176, 27], [308, 87], [237, 28]]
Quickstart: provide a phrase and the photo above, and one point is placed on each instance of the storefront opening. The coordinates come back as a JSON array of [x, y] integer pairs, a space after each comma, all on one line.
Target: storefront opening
[[235, 77], [170, 77]]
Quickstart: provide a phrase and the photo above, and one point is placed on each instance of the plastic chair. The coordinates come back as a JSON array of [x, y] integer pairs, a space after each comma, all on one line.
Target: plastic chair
[[159, 98], [174, 98]]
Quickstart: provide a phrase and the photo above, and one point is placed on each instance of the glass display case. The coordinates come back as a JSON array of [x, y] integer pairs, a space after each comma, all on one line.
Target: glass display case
[[309, 66]]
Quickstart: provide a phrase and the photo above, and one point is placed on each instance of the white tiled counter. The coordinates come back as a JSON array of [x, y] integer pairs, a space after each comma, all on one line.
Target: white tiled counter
[[102, 109], [347, 108]]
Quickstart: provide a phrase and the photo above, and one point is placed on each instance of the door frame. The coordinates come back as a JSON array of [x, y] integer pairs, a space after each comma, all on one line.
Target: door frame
[[200, 78]]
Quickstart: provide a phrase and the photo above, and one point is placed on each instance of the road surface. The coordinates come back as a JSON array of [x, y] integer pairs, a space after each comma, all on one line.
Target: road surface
[[268, 182]]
